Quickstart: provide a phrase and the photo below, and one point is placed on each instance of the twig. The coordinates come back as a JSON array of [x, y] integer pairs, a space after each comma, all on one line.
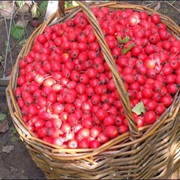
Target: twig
[[151, 4], [12, 48], [16, 44], [172, 6], [1, 19]]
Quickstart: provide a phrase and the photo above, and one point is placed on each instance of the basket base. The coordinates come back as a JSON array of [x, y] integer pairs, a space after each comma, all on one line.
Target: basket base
[[175, 174]]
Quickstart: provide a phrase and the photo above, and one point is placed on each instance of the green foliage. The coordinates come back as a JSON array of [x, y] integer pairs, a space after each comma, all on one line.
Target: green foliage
[[2, 116], [13, 130], [22, 42], [13, 134], [124, 40], [13, 139], [20, 3], [68, 4], [43, 6], [17, 31], [139, 108], [7, 45], [125, 50]]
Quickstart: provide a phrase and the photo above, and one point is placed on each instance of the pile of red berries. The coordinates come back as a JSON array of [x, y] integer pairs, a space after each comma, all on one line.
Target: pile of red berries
[[65, 88]]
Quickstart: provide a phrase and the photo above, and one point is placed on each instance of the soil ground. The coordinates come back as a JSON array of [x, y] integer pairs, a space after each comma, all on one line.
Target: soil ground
[[15, 161]]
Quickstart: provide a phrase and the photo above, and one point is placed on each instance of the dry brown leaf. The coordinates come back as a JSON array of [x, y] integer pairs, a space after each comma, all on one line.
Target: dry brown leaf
[[158, 6], [7, 9], [22, 23], [24, 9], [8, 148]]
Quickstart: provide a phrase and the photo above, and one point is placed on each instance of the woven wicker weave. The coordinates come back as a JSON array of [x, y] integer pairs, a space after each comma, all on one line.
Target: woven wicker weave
[[150, 152]]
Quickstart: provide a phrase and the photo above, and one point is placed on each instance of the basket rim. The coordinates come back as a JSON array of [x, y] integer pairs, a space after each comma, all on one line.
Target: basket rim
[[10, 88]]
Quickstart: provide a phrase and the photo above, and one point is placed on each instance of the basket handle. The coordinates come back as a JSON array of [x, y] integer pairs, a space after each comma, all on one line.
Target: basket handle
[[61, 8], [134, 133]]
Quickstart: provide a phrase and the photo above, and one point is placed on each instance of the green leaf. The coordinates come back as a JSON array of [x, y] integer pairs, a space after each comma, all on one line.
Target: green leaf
[[68, 4], [22, 23], [2, 116], [35, 11], [7, 45], [17, 31], [139, 108], [124, 40], [43, 6], [13, 130], [74, 3], [22, 42], [1, 58], [20, 3], [13, 139], [125, 50]]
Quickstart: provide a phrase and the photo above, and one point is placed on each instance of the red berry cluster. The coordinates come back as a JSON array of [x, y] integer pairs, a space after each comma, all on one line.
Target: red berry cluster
[[65, 88]]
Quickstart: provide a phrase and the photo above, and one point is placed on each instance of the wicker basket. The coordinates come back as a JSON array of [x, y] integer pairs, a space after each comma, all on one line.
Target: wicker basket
[[148, 152]]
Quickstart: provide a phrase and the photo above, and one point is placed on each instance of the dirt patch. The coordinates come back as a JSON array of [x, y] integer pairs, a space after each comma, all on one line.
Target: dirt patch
[[15, 161]]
